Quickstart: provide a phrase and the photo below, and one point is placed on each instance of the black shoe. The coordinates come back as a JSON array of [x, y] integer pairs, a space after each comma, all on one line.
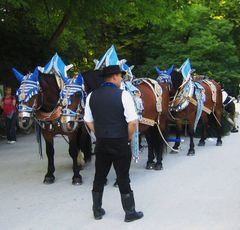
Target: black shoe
[[129, 208], [98, 211]]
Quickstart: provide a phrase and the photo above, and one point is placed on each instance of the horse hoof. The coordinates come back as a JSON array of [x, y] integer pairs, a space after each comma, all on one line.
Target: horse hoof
[[201, 143], [150, 165], [49, 180], [219, 143], [77, 181], [191, 152], [158, 167]]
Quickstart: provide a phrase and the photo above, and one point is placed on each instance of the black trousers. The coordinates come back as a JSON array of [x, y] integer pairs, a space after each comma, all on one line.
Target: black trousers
[[116, 152], [11, 127]]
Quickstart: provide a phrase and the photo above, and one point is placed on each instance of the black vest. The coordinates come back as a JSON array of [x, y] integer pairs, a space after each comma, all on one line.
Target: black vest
[[108, 113]]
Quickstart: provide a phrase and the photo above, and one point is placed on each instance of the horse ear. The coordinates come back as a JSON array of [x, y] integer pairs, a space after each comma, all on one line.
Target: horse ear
[[159, 72], [35, 74], [169, 71], [18, 75]]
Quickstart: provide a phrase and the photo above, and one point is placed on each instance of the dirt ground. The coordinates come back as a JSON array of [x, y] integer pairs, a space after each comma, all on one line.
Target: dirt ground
[[191, 193]]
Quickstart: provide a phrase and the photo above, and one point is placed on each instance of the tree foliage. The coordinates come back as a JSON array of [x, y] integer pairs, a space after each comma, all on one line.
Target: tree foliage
[[146, 33]]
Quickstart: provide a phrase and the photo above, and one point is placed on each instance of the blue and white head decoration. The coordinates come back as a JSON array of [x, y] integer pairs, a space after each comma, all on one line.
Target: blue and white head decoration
[[29, 85], [186, 70], [109, 58], [126, 68], [164, 75], [57, 66], [72, 86]]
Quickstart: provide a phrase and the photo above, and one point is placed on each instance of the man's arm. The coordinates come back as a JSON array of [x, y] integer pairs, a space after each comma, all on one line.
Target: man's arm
[[88, 118], [91, 126], [129, 113]]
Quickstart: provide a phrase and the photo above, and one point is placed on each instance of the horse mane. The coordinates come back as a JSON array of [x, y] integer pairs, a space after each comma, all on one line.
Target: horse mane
[[92, 80], [50, 91]]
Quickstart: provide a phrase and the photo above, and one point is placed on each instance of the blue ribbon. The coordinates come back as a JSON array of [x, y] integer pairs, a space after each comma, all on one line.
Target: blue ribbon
[[200, 97]]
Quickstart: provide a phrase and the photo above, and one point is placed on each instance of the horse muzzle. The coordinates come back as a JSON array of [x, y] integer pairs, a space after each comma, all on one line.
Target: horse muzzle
[[25, 120], [69, 123]]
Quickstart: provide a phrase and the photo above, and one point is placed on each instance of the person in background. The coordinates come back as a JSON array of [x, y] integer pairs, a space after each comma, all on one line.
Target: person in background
[[8, 104], [110, 114]]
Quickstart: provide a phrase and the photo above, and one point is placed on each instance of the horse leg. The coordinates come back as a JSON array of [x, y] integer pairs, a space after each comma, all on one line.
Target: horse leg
[[219, 128], [191, 119], [158, 146], [85, 143], [178, 135], [73, 152], [150, 162], [191, 150], [49, 177], [204, 130]]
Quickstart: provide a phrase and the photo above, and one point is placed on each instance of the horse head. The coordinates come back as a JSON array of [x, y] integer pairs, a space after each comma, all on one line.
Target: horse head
[[164, 76], [27, 95], [181, 89], [72, 99], [177, 80]]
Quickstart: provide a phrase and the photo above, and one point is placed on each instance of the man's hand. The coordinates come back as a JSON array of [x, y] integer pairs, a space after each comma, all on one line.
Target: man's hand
[[131, 129]]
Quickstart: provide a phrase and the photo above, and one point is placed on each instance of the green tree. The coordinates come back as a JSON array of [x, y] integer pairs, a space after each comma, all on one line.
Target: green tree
[[192, 32]]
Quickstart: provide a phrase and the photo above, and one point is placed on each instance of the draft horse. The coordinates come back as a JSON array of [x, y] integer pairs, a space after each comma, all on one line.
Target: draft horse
[[211, 107], [38, 97]]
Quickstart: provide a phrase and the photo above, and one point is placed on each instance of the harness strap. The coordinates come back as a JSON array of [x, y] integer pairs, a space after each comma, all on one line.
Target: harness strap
[[194, 102], [55, 114], [161, 134], [147, 121], [232, 98], [214, 98], [156, 89], [213, 89]]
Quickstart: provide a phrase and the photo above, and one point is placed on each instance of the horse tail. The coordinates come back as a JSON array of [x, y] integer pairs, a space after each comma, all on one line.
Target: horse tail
[[84, 143]]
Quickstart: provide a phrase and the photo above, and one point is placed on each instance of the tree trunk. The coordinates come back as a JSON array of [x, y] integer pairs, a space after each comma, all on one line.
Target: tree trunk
[[56, 34]]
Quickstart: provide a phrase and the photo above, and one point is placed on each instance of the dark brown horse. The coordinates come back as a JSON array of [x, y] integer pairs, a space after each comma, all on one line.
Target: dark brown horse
[[44, 106], [155, 115], [211, 107]]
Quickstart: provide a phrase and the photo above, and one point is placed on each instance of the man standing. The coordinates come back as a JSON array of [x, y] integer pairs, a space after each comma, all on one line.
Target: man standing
[[110, 114], [8, 104]]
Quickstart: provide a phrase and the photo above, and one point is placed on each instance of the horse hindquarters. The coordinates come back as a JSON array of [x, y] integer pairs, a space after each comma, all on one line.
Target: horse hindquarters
[[215, 104]]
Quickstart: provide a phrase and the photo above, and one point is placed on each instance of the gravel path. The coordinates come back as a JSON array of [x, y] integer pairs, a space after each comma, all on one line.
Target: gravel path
[[196, 193]]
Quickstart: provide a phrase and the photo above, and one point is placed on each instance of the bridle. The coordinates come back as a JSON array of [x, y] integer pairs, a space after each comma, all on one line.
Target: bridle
[[68, 115], [25, 92]]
